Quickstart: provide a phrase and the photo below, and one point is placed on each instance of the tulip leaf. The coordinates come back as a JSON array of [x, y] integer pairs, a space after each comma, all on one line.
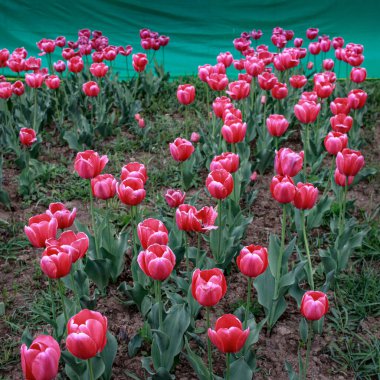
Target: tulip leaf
[[108, 356], [136, 294], [197, 363], [240, 370], [134, 345], [98, 270], [315, 216]]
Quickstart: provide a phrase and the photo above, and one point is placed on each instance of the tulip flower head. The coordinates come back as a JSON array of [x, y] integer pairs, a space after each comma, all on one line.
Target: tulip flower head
[[305, 196], [91, 89], [314, 305], [349, 162], [65, 217], [152, 231], [40, 228], [56, 262], [277, 125], [252, 260], [103, 186], [282, 189], [135, 170], [27, 136], [131, 191], [335, 142], [287, 162], [220, 183], [89, 164], [181, 149], [186, 94], [227, 161], [174, 197]]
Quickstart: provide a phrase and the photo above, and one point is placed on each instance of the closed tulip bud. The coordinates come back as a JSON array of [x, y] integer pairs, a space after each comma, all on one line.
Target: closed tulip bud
[[59, 66], [340, 105], [27, 136], [40, 228], [46, 45], [174, 198], [358, 74], [157, 261], [267, 81], [75, 243], [349, 162], [69, 53], [252, 260], [195, 137], [279, 91], [323, 89], [99, 70], [75, 64], [186, 94], [220, 183], [86, 334], [312, 33], [110, 53], [227, 161], [103, 186], [181, 149], [65, 217], [234, 132], [141, 123], [204, 72], [277, 125], [89, 164], [52, 81], [56, 262], [340, 179], [163, 40], [253, 176], [341, 123], [208, 287], [17, 88], [310, 65], [298, 42], [228, 336], [287, 162], [282, 189], [298, 81], [314, 305], [238, 90], [306, 196], [225, 58], [217, 82], [91, 88], [139, 61], [263, 99], [152, 231], [335, 142], [131, 191], [136, 170], [220, 104], [34, 80], [307, 111], [40, 361], [328, 64], [357, 98]]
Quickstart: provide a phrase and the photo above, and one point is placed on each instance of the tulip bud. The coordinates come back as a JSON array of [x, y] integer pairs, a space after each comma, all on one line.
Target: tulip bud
[[277, 125], [282, 189], [252, 260], [287, 162], [340, 179], [349, 162], [89, 164], [186, 94], [174, 198], [27, 136], [227, 161], [306, 196], [181, 149], [220, 183], [335, 142], [314, 305]]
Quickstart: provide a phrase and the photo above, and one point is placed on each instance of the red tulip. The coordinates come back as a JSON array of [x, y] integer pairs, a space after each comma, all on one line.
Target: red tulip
[[238, 90], [324, 89], [288, 59], [279, 91], [254, 66], [103, 186], [204, 72], [186, 94], [357, 98], [277, 125], [181, 149], [59, 66], [88, 164], [227, 161], [309, 96], [141, 123], [75, 243], [328, 64], [340, 179], [4, 55], [337, 42], [314, 305], [110, 53], [228, 335], [358, 74], [27, 136], [349, 162], [86, 334], [298, 42], [195, 137], [99, 70], [157, 261], [52, 81], [287, 162], [60, 41], [220, 183], [75, 64], [139, 61], [33, 63], [91, 88], [217, 82], [282, 189], [220, 104], [134, 169], [40, 228], [46, 45], [69, 53], [16, 64], [340, 105], [131, 191], [5, 90], [241, 44], [335, 142], [234, 132], [267, 81], [152, 231], [208, 287], [225, 58], [306, 111], [186, 218], [245, 77], [232, 115], [239, 64], [256, 34], [34, 80], [17, 88], [97, 57], [56, 262], [164, 40], [174, 198], [40, 361], [306, 196], [298, 81], [341, 123], [65, 217], [252, 260]]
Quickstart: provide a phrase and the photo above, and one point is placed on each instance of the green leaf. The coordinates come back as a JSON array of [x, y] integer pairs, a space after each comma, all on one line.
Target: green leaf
[[315, 216], [303, 328], [197, 363], [98, 270], [108, 355], [134, 345], [240, 370]]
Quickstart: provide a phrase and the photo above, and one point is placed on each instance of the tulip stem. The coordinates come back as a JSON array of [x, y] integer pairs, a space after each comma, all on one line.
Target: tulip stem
[[228, 362], [159, 301], [93, 220], [310, 270], [308, 347], [90, 370], [306, 144], [209, 343], [53, 309], [279, 259], [197, 263], [76, 295], [219, 229], [248, 302], [62, 295], [329, 179], [187, 255], [35, 111], [343, 208]]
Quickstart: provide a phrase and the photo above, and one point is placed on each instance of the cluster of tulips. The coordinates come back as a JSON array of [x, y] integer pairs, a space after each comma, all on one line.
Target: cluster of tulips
[[257, 107]]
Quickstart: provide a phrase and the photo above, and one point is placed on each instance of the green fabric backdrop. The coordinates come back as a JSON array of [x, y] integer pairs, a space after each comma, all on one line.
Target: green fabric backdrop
[[199, 29]]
